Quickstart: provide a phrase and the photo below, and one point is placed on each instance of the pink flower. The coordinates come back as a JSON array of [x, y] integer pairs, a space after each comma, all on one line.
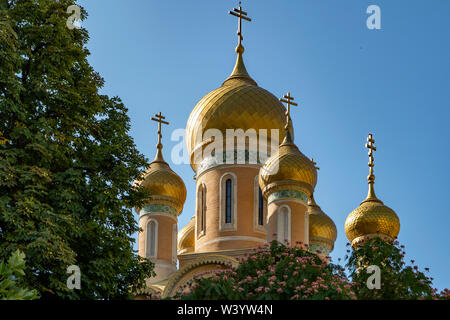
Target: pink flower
[[279, 290]]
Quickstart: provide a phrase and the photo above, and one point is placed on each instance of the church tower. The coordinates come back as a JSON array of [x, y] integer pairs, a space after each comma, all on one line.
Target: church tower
[[159, 217], [287, 180], [221, 136], [249, 186], [372, 218]]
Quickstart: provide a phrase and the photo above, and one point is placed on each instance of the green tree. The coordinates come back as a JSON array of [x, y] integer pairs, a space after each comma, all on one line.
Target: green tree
[[67, 162], [397, 279], [10, 275]]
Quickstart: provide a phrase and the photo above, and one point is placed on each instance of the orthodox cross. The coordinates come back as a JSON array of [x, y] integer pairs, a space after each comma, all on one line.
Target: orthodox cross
[[371, 147], [241, 15], [159, 118], [289, 100], [314, 164]]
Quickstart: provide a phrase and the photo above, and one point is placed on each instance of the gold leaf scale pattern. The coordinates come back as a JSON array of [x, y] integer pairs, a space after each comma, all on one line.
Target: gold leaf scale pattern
[[160, 180], [292, 165], [371, 217], [239, 105]]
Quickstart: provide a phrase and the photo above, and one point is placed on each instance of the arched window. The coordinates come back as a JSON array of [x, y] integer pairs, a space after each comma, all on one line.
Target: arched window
[[260, 208], [201, 209], [152, 239], [284, 224], [229, 201]]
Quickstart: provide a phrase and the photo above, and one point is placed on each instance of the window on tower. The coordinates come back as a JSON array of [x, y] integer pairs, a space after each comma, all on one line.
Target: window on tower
[[228, 201], [152, 238], [201, 209], [260, 208], [284, 224]]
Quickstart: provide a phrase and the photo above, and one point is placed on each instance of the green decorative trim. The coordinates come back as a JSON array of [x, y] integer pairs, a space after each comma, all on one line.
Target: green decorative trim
[[322, 249], [155, 207], [288, 194]]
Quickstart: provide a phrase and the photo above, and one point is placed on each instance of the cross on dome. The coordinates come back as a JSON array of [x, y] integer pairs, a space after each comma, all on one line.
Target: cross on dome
[[371, 147], [241, 15]]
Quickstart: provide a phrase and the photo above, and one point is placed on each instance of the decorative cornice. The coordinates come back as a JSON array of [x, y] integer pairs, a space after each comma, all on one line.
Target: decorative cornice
[[208, 259], [288, 185], [288, 195]]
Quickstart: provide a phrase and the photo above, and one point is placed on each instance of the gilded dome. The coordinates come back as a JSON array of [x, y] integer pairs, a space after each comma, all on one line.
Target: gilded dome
[[238, 104], [371, 218], [288, 168], [186, 241], [322, 230], [164, 184]]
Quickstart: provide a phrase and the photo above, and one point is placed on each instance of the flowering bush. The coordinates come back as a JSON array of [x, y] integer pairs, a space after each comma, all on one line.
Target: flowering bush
[[398, 281], [273, 271]]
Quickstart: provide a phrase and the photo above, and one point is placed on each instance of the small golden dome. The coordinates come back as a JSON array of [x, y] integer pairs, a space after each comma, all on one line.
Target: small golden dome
[[163, 184], [322, 230], [371, 218], [288, 168], [186, 241], [238, 104]]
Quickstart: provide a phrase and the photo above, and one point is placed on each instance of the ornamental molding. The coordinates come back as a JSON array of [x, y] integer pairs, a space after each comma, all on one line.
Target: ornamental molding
[[173, 281], [298, 195], [176, 205], [288, 185], [160, 214]]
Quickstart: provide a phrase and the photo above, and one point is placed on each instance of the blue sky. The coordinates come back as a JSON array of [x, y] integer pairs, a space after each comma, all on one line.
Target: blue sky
[[349, 81]]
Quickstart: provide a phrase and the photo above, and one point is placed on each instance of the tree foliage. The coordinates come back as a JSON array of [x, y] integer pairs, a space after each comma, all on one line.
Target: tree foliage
[[398, 280], [10, 275], [67, 161]]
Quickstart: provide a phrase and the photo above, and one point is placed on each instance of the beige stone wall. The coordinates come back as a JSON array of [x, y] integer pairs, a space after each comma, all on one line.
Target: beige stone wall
[[245, 235], [298, 224]]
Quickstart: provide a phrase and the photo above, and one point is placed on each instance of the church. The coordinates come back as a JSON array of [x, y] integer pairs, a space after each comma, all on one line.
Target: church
[[244, 198]]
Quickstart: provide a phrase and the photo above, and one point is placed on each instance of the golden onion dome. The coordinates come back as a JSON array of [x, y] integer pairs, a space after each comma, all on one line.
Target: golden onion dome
[[322, 230], [186, 241], [372, 218], [288, 168], [163, 184], [238, 104]]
